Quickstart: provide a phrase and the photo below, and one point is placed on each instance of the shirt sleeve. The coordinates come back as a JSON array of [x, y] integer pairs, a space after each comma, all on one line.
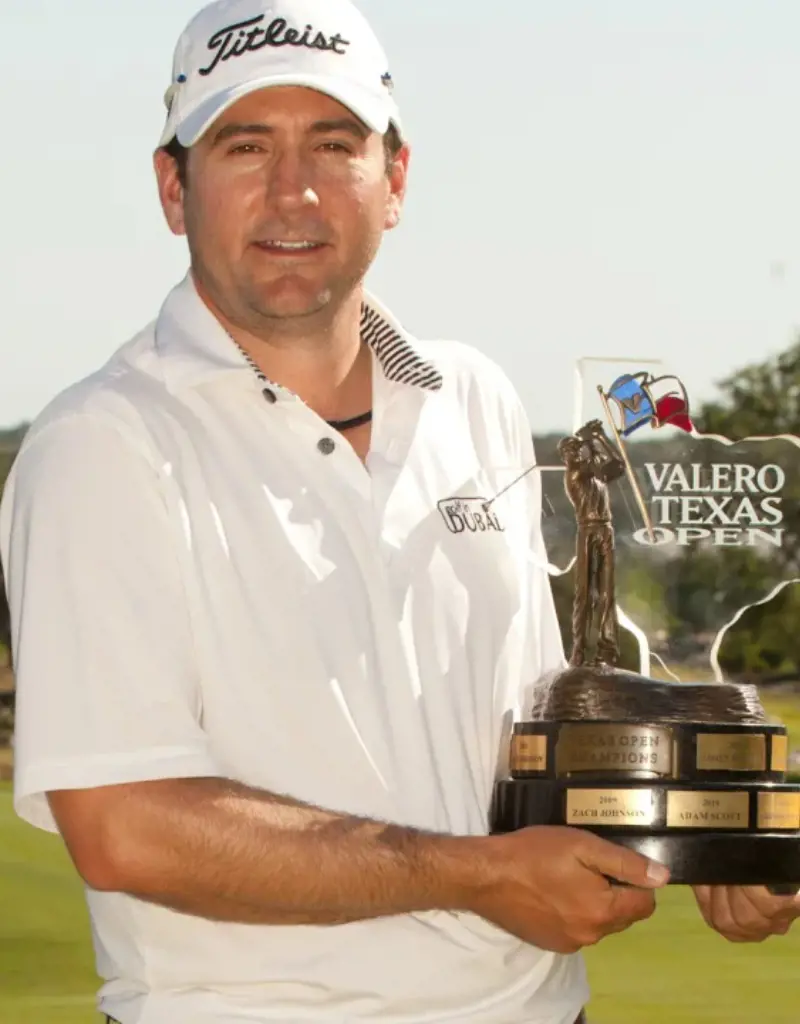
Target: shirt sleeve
[[107, 678]]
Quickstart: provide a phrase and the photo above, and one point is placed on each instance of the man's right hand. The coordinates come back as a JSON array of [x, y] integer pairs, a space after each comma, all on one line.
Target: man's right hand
[[549, 886]]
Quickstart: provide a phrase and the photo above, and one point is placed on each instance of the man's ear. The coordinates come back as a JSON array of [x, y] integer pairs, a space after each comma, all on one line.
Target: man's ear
[[170, 191], [398, 182]]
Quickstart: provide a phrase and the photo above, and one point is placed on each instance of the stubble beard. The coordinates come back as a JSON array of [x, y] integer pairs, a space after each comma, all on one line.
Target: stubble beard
[[259, 307], [314, 304], [261, 310]]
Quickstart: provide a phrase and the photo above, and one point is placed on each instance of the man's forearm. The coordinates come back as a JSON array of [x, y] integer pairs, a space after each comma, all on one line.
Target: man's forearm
[[222, 850]]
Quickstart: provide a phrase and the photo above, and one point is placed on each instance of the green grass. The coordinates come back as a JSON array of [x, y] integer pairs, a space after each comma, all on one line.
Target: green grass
[[673, 969], [670, 969], [46, 960]]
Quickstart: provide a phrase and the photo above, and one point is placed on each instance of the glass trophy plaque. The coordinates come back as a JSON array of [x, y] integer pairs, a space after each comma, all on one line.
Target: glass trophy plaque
[[672, 554]]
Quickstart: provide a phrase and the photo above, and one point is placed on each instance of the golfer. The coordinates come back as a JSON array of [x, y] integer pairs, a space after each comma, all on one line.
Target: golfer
[[270, 628]]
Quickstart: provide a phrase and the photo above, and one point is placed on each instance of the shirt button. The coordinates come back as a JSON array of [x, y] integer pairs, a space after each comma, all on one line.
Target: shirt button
[[270, 395], [326, 445]]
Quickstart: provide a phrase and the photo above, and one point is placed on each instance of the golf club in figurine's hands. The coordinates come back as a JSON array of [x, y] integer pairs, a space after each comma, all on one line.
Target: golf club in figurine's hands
[[690, 774]]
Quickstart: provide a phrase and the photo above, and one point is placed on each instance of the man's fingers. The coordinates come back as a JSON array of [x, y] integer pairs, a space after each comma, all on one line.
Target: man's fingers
[[722, 914], [702, 894], [735, 916], [746, 916], [628, 905], [767, 905], [746, 913], [758, 913], [623, 865]]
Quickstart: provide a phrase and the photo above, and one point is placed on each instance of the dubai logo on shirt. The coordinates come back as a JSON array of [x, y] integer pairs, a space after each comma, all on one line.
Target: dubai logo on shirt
[[470, 515]]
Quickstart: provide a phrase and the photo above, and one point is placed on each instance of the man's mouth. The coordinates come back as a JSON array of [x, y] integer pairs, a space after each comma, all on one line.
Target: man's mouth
[[281, 246]]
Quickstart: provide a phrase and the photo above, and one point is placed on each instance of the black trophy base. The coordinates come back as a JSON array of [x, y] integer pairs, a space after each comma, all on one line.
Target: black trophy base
[[718, 858], [706, 834]]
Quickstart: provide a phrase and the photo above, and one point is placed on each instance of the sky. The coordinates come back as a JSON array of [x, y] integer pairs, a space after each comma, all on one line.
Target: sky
[[589, 178]]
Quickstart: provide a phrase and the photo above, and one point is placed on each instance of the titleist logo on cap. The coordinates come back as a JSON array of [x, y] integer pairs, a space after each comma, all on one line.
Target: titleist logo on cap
[[246, 36]]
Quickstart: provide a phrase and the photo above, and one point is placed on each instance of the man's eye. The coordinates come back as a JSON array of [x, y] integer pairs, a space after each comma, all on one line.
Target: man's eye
[[246, 147], [336, 147]]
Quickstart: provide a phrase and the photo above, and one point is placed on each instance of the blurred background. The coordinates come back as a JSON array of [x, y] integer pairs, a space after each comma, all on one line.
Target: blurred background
[[589, 178]]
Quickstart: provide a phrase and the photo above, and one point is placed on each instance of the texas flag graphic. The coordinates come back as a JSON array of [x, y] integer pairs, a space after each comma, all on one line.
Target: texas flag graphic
[[673, 409], [641, 399]]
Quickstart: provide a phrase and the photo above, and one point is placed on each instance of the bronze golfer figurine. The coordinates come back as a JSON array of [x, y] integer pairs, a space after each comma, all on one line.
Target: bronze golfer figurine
[[592, 462]]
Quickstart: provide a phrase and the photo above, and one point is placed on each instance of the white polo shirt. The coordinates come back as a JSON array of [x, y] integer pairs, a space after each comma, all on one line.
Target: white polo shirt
[[205, 580]]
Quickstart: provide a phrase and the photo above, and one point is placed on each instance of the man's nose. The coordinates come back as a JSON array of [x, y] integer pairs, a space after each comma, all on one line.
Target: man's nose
[[291, 182]]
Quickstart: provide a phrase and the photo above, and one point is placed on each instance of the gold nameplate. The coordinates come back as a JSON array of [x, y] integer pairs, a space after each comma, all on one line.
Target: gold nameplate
[[731, 752], [528, 753], [779, 760], [779, 811], [710, 810], [614, 748], [610, 807]]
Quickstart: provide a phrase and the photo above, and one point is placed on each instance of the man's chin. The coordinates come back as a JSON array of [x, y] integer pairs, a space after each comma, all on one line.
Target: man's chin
[[283, 303]]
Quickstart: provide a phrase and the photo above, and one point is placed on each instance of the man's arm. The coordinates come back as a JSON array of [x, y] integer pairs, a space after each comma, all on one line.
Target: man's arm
[[110, 749], [222, 850]]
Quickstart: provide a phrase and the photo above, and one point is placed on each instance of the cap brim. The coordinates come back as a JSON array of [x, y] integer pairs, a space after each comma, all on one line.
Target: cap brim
[[377, 112]]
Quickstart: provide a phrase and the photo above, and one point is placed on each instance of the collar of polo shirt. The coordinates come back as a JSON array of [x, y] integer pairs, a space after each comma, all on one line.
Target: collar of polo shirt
[[194, 347]]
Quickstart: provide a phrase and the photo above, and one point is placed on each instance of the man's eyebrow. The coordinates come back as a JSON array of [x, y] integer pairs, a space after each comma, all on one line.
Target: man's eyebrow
[[232, 130], [344, 124]]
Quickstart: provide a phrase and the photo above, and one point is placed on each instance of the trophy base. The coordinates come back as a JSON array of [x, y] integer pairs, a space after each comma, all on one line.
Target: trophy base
[[770, 859], [706, 834]]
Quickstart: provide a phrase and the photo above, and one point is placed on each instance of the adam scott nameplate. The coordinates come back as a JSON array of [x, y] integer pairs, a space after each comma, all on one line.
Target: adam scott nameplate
[[672, 552]]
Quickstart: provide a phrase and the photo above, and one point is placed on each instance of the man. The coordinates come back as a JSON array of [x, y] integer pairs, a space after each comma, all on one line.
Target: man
[[265, 679]]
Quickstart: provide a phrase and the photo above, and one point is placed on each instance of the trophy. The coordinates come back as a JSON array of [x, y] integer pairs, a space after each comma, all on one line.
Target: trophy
[[679, 539]]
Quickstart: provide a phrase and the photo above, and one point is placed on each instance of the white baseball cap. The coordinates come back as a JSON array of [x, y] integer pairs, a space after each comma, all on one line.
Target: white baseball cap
[[233, 47]]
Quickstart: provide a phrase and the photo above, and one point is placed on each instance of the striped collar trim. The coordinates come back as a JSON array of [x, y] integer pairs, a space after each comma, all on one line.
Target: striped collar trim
[[395, 353], [398, 359], [194, 347]]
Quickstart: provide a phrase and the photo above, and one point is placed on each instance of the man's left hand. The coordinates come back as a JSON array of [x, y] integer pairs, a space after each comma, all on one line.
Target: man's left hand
[[746, 913]]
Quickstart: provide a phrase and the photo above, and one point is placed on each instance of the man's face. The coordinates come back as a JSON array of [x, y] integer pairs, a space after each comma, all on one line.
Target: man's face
[[286, 201]]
